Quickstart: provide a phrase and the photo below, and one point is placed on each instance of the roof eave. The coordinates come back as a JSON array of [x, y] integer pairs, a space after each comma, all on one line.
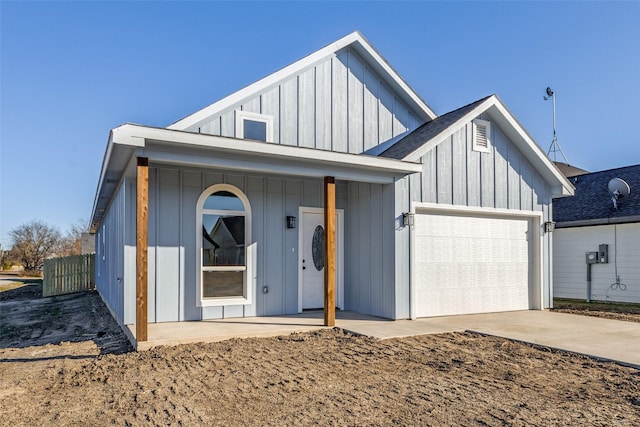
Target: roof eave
[[561, 186], [167, 146], [448, 131], [598, 221]]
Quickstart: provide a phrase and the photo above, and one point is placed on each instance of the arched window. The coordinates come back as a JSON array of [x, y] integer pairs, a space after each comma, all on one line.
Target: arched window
[[223, 234]]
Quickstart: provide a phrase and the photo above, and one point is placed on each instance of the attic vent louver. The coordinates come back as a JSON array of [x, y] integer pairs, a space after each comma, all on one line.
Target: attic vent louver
[[481, 135]]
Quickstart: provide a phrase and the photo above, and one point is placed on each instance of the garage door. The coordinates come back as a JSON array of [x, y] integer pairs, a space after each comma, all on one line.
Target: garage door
[[466, 264]]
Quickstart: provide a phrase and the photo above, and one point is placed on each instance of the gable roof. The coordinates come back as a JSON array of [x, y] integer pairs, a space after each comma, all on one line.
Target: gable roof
[[234, 226], [432, 133], [354, 40], [592, 204]]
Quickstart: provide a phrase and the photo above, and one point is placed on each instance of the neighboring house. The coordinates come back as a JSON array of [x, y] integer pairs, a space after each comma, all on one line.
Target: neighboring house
[[569, 170], [588, 220], [433, 215]]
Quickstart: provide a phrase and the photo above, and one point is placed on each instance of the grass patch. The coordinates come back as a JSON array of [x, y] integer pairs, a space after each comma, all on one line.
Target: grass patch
[[614, 307], [11, 285]]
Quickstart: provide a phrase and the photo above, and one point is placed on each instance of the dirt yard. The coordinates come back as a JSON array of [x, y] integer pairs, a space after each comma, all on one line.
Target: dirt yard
[[64, 362]]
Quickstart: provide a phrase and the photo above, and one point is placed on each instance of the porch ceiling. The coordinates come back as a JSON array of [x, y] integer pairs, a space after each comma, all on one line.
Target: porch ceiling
[[166, 146]]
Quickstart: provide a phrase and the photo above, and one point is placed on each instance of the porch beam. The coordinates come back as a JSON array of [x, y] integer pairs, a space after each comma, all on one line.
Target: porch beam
[[329, 251], [142, 239]]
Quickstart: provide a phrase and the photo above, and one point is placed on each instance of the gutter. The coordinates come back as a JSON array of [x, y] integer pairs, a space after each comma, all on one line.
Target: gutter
[[598, 221]]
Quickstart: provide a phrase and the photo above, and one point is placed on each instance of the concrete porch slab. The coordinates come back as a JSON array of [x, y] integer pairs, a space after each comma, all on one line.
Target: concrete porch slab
[[175, 333]]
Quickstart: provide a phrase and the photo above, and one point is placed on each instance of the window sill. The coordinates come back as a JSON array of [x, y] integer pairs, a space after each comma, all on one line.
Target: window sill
[[220, 301]]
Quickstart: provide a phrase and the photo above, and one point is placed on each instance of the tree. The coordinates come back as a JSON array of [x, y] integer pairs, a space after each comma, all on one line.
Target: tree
[[33, 243], [71, 243], [5, 258]]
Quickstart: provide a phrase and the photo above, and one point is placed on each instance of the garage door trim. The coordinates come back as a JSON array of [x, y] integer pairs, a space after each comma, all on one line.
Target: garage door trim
[[443, 209]]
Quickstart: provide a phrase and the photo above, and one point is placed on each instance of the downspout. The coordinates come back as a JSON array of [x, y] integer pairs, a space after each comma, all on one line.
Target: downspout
[[549, 236], [412, 293], [412, 284], [588, 282]]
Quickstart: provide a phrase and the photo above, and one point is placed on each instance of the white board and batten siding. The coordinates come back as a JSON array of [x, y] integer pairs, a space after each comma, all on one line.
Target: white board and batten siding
[[486, 195], [570, 268], [338, 104]]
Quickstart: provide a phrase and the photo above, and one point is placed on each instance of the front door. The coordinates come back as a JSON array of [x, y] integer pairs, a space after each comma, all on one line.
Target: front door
[[312, 262]]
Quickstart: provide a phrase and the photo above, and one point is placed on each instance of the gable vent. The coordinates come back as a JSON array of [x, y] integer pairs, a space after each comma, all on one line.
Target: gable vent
[[481, 135]]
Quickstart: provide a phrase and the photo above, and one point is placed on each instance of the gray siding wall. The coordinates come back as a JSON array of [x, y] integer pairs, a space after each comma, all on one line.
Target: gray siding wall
[[339, 104], [503, 178], [402, 252], [173, 194], [110, 243], [369, 250], [455, 174]]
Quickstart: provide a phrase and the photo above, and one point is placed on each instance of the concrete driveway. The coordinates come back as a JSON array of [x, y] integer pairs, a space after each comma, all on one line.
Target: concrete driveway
[[601, 338]]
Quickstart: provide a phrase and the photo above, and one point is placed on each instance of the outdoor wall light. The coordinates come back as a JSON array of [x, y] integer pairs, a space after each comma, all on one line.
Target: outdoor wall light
[[291, 222], [549, 226], [407, 219]]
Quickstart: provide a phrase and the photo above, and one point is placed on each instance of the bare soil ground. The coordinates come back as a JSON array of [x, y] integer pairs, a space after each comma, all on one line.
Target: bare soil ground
[[65, 362]]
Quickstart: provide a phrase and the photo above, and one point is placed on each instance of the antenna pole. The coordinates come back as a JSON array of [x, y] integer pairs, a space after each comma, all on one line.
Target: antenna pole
[[555, 147], [553, 99]]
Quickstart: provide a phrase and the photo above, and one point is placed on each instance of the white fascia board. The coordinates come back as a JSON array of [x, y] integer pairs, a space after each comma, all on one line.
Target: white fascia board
[[101, 178], [267, 165], [175, 139], [296, 67], [120, 146], [532, 151], [450, 130], [560, 184], [598, 222], [389, 71]]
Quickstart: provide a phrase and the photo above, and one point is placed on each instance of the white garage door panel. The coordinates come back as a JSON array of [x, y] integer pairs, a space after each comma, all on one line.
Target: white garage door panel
[[470, 264]]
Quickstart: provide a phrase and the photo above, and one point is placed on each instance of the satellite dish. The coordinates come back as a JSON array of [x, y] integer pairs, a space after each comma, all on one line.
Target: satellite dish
[[549, 91], [618, 189]]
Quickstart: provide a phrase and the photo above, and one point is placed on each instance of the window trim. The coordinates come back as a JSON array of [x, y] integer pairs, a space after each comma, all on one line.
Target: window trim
[[476, 146], [247, 297], [103, 247], [241, 116]]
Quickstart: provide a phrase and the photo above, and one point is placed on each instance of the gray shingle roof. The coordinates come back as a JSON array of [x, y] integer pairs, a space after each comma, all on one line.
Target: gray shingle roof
[[592, 200], [427, 131], [570, 170]]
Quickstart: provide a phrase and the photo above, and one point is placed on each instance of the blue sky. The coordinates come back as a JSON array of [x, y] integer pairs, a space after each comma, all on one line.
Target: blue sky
[[71, 71]]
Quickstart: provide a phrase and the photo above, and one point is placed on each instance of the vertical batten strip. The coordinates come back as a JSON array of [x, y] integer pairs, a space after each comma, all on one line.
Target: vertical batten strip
[[329, 251], [142, 239]]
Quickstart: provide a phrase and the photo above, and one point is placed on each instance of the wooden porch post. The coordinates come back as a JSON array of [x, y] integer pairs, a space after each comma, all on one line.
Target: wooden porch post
[[142, 239], [329, 251]]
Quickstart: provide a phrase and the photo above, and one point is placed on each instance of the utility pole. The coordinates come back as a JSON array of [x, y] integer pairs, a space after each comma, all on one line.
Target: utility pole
[[555, 147]]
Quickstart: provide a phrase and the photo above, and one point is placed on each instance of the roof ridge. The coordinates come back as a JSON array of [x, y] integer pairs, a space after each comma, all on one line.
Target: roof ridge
[[612, 169], [360, 44]]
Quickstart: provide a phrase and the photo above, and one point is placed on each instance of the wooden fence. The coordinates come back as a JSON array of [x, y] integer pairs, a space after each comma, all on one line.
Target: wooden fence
[[69, 274]]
